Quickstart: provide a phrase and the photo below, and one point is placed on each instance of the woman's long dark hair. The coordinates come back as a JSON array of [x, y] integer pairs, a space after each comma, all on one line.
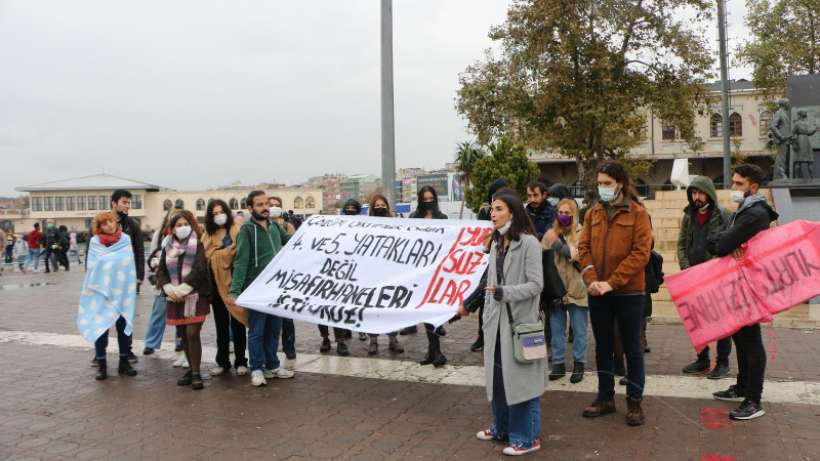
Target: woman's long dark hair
[[420, 198], [617, 172], [210, 226], [521, 223], [376, 198]]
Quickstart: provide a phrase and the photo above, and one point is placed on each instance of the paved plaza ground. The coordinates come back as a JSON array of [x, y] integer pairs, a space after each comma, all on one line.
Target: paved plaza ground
[[361, 408]]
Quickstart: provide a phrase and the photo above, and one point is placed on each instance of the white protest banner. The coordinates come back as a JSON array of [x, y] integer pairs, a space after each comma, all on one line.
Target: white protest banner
[[374, 275]]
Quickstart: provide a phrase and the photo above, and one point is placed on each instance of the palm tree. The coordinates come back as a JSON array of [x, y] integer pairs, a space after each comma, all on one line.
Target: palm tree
[[467, 154]]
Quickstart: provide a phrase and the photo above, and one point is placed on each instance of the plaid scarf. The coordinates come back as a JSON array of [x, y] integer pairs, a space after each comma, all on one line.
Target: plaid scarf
[[173, 250]]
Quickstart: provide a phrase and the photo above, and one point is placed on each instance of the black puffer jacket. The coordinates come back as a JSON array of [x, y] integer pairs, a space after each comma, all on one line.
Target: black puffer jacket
[[753, 216]]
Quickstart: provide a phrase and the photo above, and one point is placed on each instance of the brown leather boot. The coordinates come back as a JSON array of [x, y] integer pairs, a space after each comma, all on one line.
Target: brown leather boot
[[599, 408], [634, 412]]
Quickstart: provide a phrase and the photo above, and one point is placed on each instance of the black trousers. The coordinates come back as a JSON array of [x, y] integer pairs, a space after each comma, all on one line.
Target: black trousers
[[340, 334], [225, 324], [628, 312], [751, 361], [724, 348]]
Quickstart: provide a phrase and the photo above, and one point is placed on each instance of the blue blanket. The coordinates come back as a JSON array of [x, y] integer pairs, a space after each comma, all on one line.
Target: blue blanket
[[109, 290]]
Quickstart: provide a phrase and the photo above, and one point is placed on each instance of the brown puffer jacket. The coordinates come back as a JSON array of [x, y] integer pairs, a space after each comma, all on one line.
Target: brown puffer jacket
[[617, 249]]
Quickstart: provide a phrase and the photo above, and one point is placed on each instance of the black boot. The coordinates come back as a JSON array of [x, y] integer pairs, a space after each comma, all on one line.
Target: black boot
[[341, 349], [125, 367], [102, 370], [478, 345], [432, 349], [559, 370], [325, 347], [700, 365], [577, 373]]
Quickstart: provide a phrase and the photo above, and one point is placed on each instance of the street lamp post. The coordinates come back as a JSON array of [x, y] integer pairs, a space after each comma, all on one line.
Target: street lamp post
[[388, 122], [724, 93]]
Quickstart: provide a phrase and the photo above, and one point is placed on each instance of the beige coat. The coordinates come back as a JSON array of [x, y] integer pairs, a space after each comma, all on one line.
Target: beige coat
[[573, 282], [221, 261], [524, 280]]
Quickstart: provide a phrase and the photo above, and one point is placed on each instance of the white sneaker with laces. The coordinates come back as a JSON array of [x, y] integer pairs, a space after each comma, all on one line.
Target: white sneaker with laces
[[241, 370], [268, 374], [485, 435], [282, 373], [217, 371], [181, 361], [514, 451], [258, 378]]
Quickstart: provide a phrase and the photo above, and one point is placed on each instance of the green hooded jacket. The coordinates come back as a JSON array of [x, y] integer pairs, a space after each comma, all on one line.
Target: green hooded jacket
[[686, 237], [255, 248]]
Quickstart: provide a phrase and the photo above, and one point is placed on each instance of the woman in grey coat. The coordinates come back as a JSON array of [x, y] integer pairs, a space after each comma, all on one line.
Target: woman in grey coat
[[515, 279]]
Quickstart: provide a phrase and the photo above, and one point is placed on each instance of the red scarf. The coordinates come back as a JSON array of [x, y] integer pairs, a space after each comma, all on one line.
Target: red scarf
[[110, 239]]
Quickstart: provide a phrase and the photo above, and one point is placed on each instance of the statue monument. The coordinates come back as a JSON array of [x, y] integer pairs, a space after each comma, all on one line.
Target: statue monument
[[802, 130], [780, 132]]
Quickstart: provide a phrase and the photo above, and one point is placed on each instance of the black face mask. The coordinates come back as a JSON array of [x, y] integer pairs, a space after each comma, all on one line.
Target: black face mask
[[380, 212], [426, 206], [350, 212]]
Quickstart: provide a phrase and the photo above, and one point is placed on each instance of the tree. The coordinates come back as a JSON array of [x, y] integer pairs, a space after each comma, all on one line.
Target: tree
[[577, 77], [507, 160], [784, 41], [467, 154]]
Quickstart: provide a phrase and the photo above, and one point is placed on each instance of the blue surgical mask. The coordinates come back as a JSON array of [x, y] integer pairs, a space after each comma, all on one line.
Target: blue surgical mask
[[607, 194]]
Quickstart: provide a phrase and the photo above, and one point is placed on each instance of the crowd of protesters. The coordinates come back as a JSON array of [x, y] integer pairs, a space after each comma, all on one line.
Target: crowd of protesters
[[600, 256]]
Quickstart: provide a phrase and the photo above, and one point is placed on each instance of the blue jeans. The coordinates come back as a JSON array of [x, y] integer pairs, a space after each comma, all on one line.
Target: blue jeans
[[519, 423], [629, 310], [263, 340], [288, 336], [558, 325], [123, 340], [34, 257], [156, 324]]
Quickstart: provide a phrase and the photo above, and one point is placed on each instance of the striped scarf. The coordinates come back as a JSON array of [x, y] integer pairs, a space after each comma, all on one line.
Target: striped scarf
[[187, 249]]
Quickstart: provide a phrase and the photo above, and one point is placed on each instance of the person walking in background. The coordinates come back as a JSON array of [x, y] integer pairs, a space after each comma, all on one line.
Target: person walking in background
[[108, 293], [259, 240], [701, 218], [753, 216], [183, 277], [219, 241], [514, 283], [49, 240], [63, 243], [73, 248], [21, 252], [563, 240], [614, 249], [380, 207], [34, 246]]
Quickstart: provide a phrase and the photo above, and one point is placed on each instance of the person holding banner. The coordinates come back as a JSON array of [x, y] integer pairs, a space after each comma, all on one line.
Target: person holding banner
[[427, 208], [701, 218], [277, 215], [753, 216], [258, 241], [183, 276], [219, 241], [614, 249], [381, 208], [514, 283]]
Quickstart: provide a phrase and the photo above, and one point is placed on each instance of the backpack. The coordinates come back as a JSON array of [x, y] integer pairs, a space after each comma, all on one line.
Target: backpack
[[654, 272]]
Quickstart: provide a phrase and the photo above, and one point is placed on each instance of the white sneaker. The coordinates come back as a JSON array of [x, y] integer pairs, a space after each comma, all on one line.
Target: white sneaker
[[282, 373], [181, 361], [485, 435], [217, 371], [513, 451], [258, 378], [290, 364], [241, 370]]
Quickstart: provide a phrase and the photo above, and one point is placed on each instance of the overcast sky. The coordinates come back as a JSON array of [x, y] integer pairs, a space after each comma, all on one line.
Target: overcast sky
[[197, 94]]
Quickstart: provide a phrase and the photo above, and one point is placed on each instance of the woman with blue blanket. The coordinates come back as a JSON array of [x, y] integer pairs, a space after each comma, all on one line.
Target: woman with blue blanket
[[183, 276], [109, 292]]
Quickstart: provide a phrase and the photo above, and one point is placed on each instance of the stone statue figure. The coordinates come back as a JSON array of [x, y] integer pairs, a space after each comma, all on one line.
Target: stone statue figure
[[780, 131], [802, 129]]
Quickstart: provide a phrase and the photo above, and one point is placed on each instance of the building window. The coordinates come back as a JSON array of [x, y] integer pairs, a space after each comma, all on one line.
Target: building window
[[37, 204], [166, 205], [48, 203], [735, 125], [92, 202], [668, 132], [234, 204], [310, 203], [298, 203], [80, 202], [103, 202], [59, 204], [69, 203], [200, 204], [763, 125], [715, 126], [178, 203], [136, 202]]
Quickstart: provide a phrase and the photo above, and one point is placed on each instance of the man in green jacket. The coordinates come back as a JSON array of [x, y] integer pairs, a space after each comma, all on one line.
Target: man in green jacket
[[701, 218], [258, 242]]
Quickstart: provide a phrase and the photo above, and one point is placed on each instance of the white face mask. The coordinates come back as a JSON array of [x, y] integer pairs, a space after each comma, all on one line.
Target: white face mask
[[182, 232], [553, 201], [220, 219], [275, 212], [738, 196], [503, 229], [607, 194]]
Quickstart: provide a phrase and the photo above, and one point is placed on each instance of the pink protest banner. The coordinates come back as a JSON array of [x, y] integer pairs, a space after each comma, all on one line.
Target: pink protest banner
[[780, 269]]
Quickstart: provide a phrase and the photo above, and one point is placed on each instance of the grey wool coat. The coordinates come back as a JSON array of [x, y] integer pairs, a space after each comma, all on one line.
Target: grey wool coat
[[523, 282]]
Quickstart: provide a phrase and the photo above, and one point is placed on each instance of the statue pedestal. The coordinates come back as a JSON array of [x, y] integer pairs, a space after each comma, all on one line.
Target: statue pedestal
[[797, 199]]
